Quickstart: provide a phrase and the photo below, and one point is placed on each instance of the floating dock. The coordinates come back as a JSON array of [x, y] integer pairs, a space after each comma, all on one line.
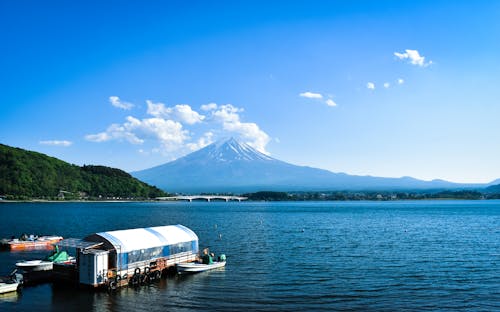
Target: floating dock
[[126, 257]]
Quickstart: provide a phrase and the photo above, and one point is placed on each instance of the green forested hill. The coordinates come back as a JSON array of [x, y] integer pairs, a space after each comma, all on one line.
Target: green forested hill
[[25, 174]]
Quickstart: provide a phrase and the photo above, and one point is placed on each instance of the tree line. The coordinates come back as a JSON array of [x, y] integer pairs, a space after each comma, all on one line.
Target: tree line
[[370, 195], [29, 175]]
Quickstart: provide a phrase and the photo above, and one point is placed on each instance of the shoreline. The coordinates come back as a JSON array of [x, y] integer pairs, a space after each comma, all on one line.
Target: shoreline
[[219, 201], [70, 201]]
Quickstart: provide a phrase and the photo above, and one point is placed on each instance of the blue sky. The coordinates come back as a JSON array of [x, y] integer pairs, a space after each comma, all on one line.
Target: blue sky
[[388, 88]]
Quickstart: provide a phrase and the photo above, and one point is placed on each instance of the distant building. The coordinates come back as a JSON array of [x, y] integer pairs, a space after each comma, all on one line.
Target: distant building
[[61, 194]]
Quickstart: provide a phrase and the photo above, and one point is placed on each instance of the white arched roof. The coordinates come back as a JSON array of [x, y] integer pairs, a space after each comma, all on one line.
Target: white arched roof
[[143, 238]]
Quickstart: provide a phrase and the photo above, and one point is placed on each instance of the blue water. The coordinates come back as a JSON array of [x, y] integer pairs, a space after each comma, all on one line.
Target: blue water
[[306, 256]]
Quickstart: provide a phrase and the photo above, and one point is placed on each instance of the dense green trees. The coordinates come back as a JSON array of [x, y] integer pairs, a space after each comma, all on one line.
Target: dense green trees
[[267, 196], [369, 195], [25, 174]]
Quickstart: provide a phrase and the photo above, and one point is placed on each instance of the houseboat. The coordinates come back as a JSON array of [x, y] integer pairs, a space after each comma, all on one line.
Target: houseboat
[[127, 257]]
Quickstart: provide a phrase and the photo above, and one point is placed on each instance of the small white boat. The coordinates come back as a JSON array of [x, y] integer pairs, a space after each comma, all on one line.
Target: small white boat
[[8, 287], [10, 283], [195, 267], [46, 264], [35, 265]]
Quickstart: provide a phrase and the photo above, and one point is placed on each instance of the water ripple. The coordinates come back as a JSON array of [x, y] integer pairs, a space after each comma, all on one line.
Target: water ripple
[[409, 256]]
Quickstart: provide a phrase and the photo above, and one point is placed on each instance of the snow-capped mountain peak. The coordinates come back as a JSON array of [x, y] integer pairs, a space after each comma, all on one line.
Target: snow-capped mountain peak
[[233, 166], [232, 150]]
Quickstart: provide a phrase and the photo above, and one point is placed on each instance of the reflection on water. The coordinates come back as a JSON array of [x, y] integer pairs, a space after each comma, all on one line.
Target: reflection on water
[[10, 297], [289, 256]]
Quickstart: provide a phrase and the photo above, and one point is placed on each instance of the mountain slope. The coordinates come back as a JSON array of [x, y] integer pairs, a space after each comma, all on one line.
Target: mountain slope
[[493, 188], [232, 166], [26, 174]]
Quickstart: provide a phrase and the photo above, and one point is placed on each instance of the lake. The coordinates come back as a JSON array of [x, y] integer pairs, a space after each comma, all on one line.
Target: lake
[[283, 256]]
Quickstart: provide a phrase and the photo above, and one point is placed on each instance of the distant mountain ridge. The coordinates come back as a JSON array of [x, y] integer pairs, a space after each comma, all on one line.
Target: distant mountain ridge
[[27, 175], [232, 166], [493, 188]]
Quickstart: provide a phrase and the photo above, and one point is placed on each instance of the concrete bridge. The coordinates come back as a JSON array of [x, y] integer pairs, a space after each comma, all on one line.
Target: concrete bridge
[[208, 198]]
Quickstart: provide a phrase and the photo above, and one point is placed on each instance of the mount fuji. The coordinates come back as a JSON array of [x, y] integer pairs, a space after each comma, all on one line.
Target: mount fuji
[[233, 166]]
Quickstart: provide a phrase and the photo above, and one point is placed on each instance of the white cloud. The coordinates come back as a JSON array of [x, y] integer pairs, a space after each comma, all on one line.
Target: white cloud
[[228, 116], [165, 127], [116, 102], [187, 115], [158, 109], [116, 132], [311, 95], [63, 143], [331, 103], [318, 96], [227, 113], [413, 57], [98, 137], [370, 85], [209, 107], [400, 81], [169, 133], [203, 141], [182, 112], [387, 85]]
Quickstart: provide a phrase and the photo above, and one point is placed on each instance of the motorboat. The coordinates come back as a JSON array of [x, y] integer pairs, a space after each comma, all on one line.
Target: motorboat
[[8, 287], [196, 267], [30, 242], [10, 283], [46, 264], [35, 265]]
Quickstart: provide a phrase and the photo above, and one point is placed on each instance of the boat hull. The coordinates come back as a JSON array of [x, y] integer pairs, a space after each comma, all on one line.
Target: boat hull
[[194, 267], [8, 287], [44, 242], [35, 265]]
